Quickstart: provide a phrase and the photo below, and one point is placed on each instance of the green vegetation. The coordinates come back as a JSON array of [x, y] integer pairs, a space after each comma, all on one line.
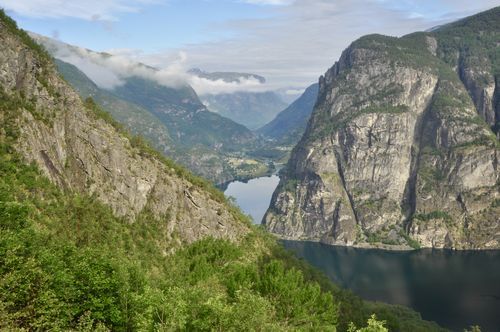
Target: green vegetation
[[12, 28], [410, 241], [175, 128], [433, 215], [290, 185], [65, 260], [373, 326], [410, 50], [99, 113], [475, 38], [380, 237], [67, 263]]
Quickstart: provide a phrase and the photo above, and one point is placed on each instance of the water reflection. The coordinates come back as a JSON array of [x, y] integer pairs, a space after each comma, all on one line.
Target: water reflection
[[455, 289], [254, 196]]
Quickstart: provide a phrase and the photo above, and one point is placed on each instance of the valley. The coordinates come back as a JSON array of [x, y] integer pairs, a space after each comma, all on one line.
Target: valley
[[152, 192]]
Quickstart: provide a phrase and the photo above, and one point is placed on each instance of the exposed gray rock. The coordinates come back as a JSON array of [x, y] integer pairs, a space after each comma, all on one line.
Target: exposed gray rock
[[396, 153], [83, 153]]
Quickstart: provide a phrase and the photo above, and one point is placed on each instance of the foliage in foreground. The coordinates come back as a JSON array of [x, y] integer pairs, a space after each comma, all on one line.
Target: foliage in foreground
[[67, 263]]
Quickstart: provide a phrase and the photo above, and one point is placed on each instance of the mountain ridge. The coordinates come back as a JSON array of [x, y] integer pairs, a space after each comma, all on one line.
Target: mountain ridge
[[174, 120], [249, 108], [422, 104], [99, 232], [288, 125]]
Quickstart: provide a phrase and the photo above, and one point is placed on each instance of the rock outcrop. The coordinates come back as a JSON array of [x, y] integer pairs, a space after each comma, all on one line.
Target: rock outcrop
[[82, 152], [401, 149]]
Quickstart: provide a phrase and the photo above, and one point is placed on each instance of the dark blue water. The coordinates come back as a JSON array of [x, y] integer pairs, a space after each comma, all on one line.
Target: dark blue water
[[453, 288], [456, 289]]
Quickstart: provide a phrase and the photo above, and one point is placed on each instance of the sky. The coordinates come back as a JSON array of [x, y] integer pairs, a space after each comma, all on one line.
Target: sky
[[290, 42]]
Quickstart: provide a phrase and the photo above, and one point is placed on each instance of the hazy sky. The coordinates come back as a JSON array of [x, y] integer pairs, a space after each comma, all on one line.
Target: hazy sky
[[290, 42]]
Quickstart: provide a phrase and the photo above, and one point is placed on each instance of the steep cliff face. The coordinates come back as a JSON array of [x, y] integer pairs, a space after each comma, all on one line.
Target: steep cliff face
[[399, 150], [81, 152]]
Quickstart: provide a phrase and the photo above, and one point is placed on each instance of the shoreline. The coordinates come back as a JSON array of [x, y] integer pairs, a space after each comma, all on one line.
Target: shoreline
[[378, 246]]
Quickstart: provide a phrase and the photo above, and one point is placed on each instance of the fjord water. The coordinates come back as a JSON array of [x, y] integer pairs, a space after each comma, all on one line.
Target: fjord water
[[453, 288], [253, 197]]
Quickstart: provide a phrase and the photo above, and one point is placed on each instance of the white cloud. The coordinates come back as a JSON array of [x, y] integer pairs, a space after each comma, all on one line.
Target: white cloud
[[109, 70], [94, 10], [301, 41], [291, 47], [204, 86]]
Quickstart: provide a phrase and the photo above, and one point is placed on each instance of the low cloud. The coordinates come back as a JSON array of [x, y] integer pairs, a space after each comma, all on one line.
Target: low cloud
[[110, 70], [204, 86]]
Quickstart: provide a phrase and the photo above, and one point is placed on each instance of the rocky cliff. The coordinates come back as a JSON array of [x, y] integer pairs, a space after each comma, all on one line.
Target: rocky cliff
[[401, 149], [81, 150]]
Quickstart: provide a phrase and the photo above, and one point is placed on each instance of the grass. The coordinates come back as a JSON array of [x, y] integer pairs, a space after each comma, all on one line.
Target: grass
[[12, 28]]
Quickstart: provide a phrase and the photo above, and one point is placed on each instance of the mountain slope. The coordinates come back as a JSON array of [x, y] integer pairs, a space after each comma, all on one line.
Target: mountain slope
[[172, 119], [189, 122], [78, 150], [95, 229], [400, 149], [137, 119], [251, 109], [289, 125]]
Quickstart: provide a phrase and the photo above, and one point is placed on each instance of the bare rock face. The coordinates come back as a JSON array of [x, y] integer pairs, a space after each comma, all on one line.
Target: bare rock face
[[82, 153], [399, 152]]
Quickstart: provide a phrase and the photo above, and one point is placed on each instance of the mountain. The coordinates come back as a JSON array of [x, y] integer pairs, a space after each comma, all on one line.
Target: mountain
[[188, 121], [99, 232], [173, 119], [137, 119], [251, 109], [289, 125], [402, 146], [81, 149]]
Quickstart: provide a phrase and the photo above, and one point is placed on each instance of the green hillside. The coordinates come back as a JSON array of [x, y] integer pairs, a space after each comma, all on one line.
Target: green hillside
[[68, 263]]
